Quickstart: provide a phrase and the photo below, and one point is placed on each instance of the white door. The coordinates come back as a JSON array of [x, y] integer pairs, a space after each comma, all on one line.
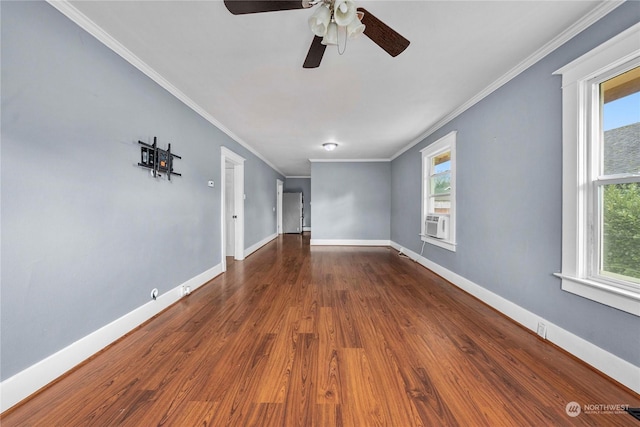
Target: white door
[[279, 189], [229, 158], [229, 211]]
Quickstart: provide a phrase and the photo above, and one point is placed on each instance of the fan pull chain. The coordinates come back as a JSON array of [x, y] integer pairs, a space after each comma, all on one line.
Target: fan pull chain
[[345, 40]]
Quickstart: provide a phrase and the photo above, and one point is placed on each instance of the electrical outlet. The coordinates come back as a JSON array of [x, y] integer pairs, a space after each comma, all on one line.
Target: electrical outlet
[[542, 330]]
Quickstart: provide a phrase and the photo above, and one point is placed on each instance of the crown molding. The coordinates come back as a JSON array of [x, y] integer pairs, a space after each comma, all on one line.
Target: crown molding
[[348, 160], [304, 177], [80, 19], [586, 21]]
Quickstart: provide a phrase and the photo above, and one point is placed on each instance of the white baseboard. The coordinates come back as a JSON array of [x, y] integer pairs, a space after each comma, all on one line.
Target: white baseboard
[[347, 242], [306, 229], [619, 369], [251, 249], [25, 383]]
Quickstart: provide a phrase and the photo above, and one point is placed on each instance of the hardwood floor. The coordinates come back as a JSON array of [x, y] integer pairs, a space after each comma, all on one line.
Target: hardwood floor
[[326, 336]]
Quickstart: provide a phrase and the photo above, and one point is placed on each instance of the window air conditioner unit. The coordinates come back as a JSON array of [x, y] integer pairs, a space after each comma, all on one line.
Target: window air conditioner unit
[[437, 226]]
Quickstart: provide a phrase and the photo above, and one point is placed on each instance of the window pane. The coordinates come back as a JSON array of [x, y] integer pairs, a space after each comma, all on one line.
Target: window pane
[[621, 231], [621, 123], [440, 204], [441, 163], [441, 184]]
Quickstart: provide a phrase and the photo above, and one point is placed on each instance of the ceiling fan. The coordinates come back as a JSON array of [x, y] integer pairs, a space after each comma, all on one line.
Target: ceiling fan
[[324, 23]]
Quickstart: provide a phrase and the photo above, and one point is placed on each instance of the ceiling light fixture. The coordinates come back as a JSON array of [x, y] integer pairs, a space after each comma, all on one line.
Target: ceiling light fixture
[[329, 146], [332, 15]]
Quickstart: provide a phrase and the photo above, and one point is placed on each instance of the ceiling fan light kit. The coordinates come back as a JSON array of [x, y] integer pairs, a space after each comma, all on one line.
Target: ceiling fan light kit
[[332, 14], [325, 22]]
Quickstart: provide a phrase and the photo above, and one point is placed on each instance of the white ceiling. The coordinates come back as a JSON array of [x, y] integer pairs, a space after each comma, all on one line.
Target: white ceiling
[[244, 73]]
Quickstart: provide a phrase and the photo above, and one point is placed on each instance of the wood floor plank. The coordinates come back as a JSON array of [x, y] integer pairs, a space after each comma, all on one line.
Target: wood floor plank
[[303, 387], [347, 332], [328, 368], [276, 376], [194, 413], [236, 388], [326, 336], [363, 405], [264, 415], [327, 415], [310, 306]]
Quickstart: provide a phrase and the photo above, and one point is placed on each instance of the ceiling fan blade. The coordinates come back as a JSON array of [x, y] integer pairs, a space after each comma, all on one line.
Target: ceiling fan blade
[[314, 56], [382, 35], [241, 7]]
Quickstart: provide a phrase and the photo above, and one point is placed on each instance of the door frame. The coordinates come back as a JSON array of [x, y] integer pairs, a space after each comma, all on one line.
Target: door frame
[[237, 161], [279, 191]]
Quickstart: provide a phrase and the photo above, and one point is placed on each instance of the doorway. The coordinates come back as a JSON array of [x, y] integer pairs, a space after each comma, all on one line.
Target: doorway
[[279, 190], [229, 210], [232, 203]]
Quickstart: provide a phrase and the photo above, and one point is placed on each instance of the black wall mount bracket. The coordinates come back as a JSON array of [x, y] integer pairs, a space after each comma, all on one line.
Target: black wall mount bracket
[[157, 160]]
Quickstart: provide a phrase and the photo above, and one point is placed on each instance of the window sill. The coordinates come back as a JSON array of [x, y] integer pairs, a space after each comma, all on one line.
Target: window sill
[[445, 244], [603, 293]]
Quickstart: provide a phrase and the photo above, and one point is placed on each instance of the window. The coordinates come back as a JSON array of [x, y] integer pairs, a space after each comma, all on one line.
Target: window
[[601, 174], [438, 192], [617, 177]]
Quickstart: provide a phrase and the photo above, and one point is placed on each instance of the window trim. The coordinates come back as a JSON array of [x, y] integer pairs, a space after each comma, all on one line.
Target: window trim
[[577, 199], [446, 143]]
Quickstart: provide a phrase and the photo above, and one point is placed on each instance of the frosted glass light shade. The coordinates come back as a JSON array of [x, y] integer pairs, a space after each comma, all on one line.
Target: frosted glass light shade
[[344, 12], [355, 28], [329, 146], [331, 37], [319, 21]]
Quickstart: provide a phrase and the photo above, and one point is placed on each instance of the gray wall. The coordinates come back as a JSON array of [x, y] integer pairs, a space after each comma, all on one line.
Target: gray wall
[[509, 197], [86, 234], [351, 200], [294, 185], [261, 198]]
